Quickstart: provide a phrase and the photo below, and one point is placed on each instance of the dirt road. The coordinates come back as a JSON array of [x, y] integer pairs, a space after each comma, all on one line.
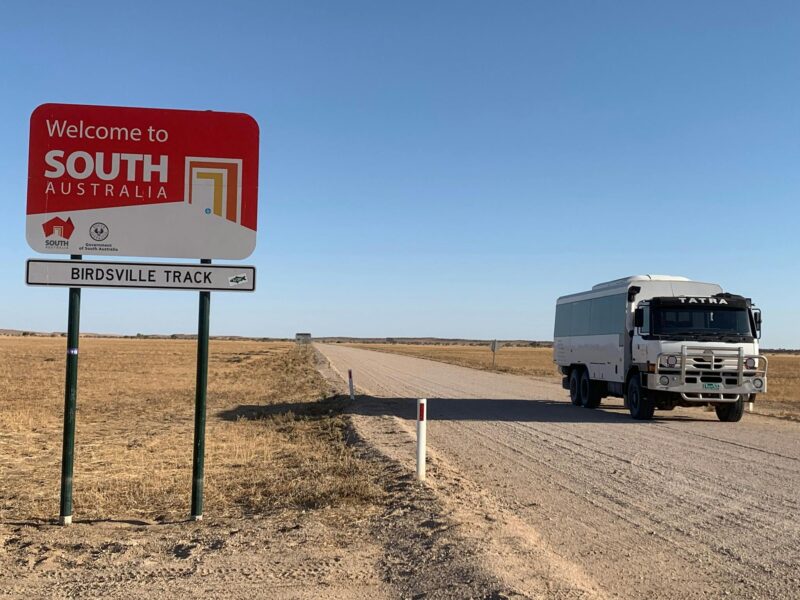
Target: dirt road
[[572, 503]]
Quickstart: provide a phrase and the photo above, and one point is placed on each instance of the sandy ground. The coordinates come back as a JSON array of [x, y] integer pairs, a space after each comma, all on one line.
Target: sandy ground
[[299, 558], [564, 502], [405, 549]]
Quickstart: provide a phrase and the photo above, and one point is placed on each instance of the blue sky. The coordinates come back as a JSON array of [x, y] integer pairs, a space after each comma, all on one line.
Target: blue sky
[[443, 168]]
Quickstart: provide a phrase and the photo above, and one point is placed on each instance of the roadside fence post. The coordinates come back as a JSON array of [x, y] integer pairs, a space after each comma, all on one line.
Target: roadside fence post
[[422, 418], [350, 381]]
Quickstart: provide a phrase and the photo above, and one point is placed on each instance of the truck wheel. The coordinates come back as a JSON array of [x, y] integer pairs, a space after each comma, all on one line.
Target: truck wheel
[[641, 407], [575, 386], [731, 412], [590, 398]]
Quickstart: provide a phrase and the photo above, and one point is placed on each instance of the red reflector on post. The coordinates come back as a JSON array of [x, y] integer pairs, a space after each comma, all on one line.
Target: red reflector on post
[[421, 411]]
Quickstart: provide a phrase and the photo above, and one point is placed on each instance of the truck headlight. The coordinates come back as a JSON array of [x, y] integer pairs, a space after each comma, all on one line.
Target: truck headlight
[[750, 363], [670, 361], [758, 383], [663, 380]]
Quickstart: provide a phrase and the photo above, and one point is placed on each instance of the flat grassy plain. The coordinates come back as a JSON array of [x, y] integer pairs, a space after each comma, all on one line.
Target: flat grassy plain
[[536, 362], [783, 376], [273, 441], [297, 505]]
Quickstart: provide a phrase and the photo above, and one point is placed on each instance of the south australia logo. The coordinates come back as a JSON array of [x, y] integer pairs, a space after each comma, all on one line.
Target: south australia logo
[[58, 231]]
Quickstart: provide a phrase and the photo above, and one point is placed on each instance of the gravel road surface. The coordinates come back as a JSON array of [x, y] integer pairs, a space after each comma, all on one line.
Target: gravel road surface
[[569, 502]]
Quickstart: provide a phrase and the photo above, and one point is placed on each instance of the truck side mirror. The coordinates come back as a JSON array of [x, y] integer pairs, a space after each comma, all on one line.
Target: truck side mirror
[[757, 320], [638, 317]]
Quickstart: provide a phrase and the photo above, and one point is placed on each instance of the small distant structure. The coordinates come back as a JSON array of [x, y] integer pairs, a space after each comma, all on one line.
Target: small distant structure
[[494, 346], [302, 338]]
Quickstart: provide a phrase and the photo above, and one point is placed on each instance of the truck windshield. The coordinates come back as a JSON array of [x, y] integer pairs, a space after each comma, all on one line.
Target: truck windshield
[[701, 322]]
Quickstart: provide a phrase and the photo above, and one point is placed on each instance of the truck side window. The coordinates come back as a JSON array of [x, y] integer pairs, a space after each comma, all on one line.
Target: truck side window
[[646, 320]]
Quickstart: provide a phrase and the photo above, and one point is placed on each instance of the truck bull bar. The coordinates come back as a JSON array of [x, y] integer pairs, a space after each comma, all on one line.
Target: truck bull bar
[[724, 366]]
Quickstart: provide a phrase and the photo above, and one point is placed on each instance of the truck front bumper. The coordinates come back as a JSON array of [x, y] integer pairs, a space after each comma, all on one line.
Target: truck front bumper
[[702, 374]]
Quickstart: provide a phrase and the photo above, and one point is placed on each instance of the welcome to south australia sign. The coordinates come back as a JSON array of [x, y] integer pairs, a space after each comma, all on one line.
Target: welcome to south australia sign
[[142, 182]]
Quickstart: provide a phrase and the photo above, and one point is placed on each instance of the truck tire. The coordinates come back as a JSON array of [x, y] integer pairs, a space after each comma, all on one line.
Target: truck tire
[[575, 386], [590, 397], [732, 412], [641, 407]]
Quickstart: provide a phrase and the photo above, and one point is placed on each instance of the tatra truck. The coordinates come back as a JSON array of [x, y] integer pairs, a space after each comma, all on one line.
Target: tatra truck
[[658, 342]]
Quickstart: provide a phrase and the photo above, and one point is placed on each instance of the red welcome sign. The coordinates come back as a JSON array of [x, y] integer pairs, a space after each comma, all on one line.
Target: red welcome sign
[[142, 182]]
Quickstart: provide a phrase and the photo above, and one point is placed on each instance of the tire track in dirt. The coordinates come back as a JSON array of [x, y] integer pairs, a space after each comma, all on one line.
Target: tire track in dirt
[[605, 496]]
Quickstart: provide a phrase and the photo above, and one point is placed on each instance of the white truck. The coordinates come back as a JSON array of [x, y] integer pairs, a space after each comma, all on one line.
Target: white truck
[[660, 341]]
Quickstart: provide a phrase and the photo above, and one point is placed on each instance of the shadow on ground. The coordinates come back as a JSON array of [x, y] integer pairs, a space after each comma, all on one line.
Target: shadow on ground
[[536, 411], [316, 409], [457, 409]]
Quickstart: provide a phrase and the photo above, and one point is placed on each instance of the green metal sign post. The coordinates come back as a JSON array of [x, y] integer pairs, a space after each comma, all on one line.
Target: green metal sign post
[[71, 395], [201, 393], [70, 403], [198, 459]]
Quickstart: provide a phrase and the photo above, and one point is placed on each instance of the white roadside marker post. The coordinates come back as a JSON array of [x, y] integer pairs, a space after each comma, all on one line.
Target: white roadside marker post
[[350, 381], [749, 406], [422, 419]]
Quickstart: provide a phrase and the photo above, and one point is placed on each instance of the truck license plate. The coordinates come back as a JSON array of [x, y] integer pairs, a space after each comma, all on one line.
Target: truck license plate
[[711, 386]]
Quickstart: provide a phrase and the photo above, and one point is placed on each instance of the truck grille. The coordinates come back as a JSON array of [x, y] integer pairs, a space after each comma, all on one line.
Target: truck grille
[[713, 363]]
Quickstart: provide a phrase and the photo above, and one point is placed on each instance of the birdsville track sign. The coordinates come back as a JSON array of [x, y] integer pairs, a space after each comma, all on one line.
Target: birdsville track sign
[[156, 276], [142, 182]]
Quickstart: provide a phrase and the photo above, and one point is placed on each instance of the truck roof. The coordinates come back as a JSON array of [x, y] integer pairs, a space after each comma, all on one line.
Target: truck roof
[[624, 281], [651, 286]]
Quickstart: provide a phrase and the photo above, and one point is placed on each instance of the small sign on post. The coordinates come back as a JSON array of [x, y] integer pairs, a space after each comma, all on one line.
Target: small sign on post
[[495, 346]]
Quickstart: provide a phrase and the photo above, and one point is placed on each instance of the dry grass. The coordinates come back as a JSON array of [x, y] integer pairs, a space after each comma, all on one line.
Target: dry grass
[[784, 378], [272, 440], [784, 369]]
